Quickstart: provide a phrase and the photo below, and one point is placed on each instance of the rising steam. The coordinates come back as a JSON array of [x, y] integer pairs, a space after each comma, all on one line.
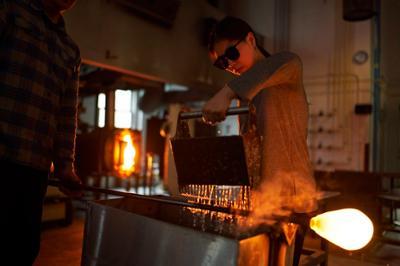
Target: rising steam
[[281, 195]]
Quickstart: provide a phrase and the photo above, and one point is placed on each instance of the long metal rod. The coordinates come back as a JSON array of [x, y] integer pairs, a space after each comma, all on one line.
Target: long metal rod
[[199, 114], [161, 199], [181, 203]]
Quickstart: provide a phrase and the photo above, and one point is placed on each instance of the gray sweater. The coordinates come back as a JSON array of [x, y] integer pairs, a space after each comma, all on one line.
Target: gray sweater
[[275, 87]]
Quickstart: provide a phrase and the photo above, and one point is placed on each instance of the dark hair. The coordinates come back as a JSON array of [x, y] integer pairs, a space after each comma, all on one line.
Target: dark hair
[[231, 28]]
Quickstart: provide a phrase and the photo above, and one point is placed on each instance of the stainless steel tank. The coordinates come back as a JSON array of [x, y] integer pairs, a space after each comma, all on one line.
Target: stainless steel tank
[[128, 231]]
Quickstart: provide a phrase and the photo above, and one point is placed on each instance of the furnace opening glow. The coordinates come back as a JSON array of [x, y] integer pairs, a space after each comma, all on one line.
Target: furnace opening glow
[[125, 154]]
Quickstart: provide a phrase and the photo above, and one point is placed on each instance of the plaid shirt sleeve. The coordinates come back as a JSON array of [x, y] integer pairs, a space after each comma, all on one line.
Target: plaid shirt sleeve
[[67, 122]]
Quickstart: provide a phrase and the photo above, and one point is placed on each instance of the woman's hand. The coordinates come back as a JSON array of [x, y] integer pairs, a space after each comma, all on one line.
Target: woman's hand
[[214, 110]]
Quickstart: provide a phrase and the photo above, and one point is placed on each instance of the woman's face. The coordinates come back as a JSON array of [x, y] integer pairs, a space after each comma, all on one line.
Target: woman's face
[[247, 53]]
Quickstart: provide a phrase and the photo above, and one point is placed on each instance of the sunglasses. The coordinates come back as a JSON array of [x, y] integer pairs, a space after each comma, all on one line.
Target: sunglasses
[[231, 53]]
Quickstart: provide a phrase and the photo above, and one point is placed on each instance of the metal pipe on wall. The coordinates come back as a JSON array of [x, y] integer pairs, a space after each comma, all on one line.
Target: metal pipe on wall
[[376, 44]]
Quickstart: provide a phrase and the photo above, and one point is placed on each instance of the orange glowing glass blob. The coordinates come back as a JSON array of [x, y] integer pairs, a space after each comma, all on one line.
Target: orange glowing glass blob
[[348, 228], [124, 154]]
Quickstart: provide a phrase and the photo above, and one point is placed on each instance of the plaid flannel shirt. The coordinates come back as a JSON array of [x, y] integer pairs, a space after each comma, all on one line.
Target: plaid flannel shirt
[[39, 67]]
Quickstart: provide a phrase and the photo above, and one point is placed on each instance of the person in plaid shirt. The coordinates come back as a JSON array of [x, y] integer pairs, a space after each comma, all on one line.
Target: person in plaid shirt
[[39, 68]]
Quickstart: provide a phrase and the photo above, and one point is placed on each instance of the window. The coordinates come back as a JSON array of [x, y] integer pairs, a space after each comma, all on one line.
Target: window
[[126, 111], [137, 118], [101, 107], [123, 109]]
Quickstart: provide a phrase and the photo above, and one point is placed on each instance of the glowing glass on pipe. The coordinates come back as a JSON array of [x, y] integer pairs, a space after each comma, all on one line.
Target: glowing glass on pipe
[[348, 228]]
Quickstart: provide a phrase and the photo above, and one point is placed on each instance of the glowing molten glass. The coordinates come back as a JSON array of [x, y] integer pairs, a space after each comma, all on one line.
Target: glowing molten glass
[[124, 154], [348, 228]]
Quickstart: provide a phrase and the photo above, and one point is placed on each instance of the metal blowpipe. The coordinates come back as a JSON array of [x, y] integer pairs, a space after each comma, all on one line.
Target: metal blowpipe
[[199, 114], [161, 199]]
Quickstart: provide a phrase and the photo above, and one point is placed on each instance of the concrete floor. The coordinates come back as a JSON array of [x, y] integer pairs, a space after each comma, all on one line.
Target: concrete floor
[[376, 253], [61, 246]]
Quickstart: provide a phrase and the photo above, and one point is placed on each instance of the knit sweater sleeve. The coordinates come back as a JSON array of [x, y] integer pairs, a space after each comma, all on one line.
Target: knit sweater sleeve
[[280, 68]]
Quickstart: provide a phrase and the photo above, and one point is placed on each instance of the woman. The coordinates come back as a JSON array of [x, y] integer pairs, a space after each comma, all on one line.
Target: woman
[[273, 85]]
